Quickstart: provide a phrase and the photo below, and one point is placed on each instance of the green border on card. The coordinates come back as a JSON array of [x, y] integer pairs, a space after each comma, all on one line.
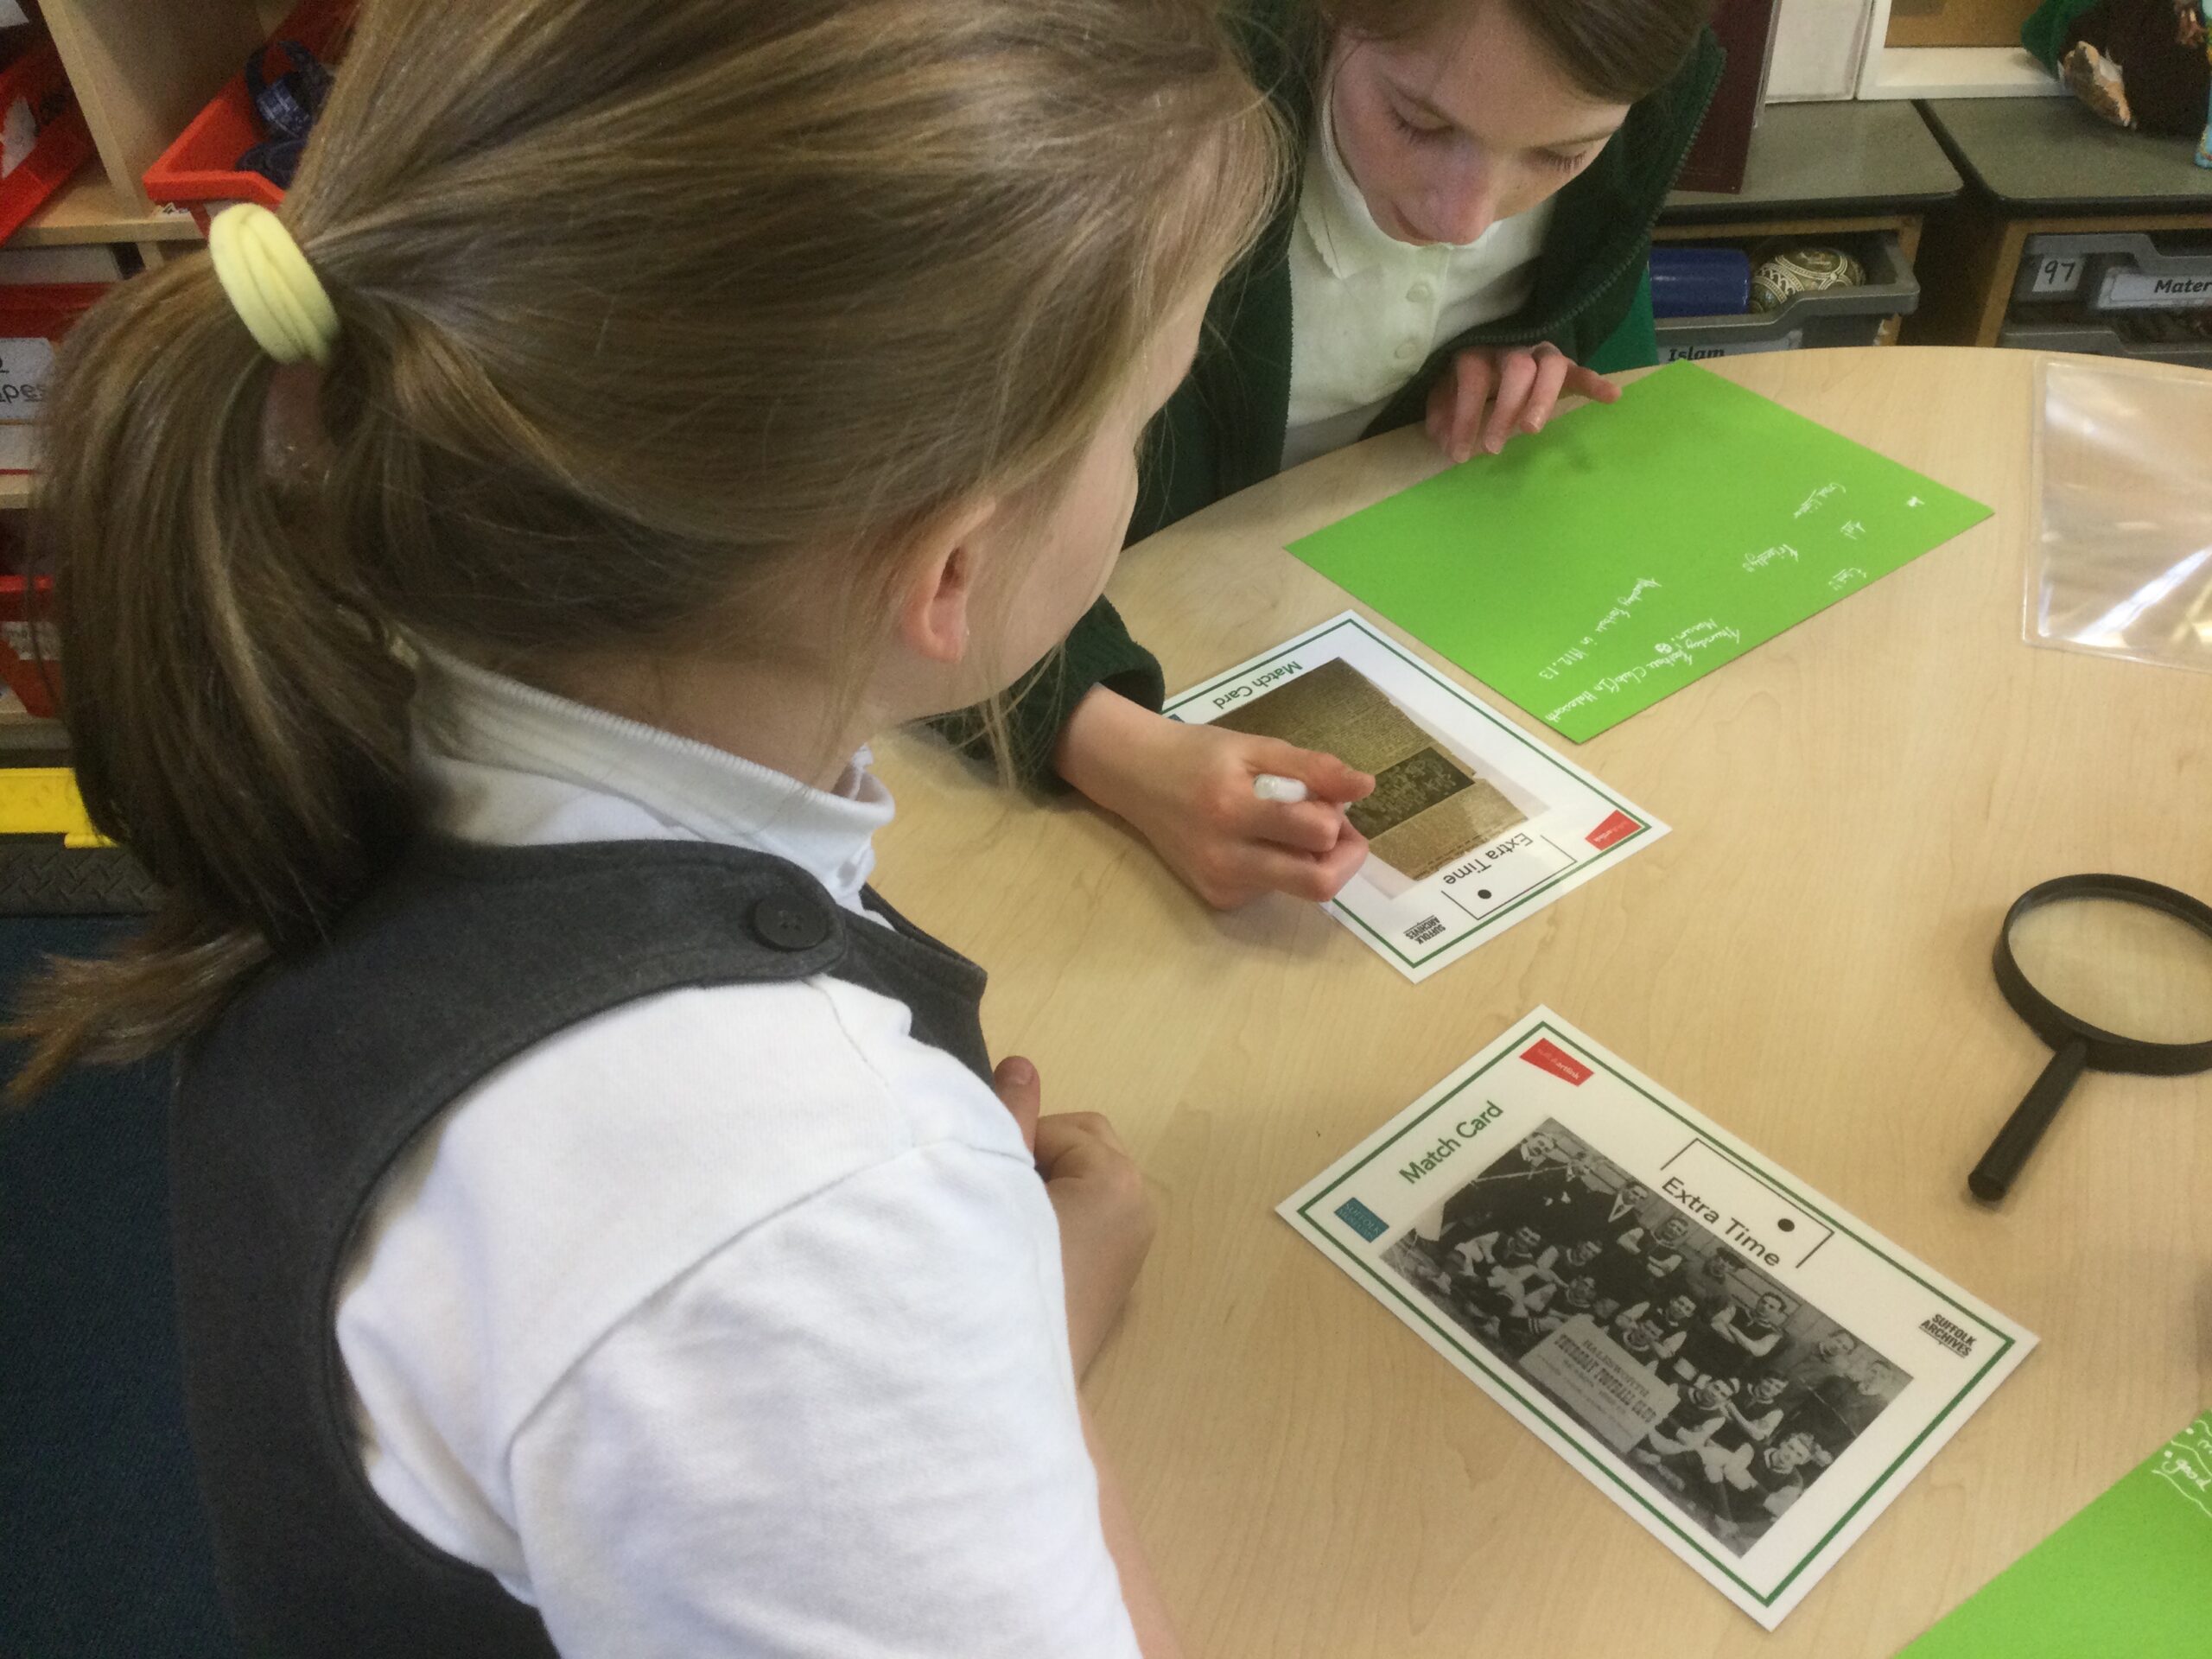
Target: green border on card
[[1572, 1436], [1382, 939]]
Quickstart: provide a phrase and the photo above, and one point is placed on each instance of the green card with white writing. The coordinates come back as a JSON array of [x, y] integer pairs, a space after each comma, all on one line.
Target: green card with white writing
[[1627, 551], [2129, 1575]]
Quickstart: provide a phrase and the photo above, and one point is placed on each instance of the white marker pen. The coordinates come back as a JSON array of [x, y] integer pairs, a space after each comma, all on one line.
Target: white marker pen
[[1268, 787]]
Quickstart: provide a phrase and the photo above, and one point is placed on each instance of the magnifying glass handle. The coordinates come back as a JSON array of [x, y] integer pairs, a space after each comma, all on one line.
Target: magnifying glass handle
[[1999, 1167]]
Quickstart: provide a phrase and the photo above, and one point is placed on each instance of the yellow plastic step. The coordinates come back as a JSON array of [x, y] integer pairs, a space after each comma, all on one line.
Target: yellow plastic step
[[43, 801]]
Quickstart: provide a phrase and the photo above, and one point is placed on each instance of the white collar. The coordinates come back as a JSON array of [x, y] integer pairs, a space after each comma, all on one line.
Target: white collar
[[507, 764], [1332, 210]]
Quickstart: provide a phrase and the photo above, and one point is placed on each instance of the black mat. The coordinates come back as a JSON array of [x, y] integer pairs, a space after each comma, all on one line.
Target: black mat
[[104, 1551]]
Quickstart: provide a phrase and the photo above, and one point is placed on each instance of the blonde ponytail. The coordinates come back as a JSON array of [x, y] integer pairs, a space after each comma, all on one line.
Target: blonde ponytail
[[646, 313], [238, 718]]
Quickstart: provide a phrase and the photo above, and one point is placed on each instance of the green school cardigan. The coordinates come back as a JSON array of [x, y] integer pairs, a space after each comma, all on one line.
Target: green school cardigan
[[1223, 429]]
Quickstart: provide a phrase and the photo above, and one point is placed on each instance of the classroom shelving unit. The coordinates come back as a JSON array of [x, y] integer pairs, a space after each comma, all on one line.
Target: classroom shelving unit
[[2038, 170], [1856, 175], [141, 69]]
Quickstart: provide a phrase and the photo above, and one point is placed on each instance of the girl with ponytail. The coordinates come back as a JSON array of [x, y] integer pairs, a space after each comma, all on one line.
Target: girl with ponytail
[[599, 1227]]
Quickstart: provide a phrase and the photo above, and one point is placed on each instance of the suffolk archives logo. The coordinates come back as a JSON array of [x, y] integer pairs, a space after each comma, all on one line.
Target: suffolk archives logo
[[1952, 1335]]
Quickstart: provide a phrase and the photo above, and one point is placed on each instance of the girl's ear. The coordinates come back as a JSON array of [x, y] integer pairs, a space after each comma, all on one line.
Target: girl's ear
[[936, 609]]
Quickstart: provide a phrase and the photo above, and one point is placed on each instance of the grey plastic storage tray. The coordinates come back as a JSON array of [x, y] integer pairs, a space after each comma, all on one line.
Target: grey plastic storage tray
[[1843, 316], [2099, 339], [2117, 270]]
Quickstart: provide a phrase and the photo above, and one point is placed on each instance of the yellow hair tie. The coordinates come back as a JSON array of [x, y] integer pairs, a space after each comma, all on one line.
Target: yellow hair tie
[[271, 285]]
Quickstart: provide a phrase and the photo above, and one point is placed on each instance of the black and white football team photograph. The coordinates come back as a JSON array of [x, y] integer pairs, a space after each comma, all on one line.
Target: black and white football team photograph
[[1726, 1393]]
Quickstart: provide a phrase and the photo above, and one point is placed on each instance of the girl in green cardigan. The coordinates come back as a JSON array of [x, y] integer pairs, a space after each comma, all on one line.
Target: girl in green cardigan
[[1467, 242]]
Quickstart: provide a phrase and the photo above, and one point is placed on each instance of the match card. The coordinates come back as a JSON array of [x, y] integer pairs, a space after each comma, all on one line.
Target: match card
[[1474, 824], [1749, 1370]]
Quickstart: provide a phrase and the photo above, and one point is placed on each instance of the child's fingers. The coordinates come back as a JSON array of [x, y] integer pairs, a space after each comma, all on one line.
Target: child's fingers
[[1514, 381], [1588, 383], [1307, 827], [1325, 777], [1341, 862], [1439, 419], [1543, 398], [1300, 875], [1472, 377], [1022, 1093], [1316, 877], [1072, 1144]]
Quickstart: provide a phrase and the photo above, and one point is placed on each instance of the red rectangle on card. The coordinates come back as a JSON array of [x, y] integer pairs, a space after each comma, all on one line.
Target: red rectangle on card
[[1552, 1057], [1619, 827]]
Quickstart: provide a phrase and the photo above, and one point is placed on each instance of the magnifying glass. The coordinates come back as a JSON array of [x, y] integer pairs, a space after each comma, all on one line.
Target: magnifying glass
[[2115, 974]]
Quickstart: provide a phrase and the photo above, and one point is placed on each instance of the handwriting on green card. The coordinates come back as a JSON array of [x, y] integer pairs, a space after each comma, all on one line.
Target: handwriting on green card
[[2129, 1575], [1625, 551]]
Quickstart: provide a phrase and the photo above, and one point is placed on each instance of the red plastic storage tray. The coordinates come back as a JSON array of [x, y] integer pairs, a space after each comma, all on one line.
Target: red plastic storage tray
[[65, 142], [31, 674], [199, 171], [32, 318]]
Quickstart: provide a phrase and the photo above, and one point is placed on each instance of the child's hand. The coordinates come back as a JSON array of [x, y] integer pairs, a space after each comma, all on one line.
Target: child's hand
[[1188, 790], [1522, 385], [1095, 1188]]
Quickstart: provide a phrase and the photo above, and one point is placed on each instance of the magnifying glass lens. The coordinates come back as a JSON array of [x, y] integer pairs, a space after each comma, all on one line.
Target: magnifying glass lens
[[2139, 973], [2115, 974]]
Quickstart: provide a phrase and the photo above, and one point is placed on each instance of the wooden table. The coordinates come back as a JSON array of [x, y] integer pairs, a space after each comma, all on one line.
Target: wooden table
[[1806, 958]]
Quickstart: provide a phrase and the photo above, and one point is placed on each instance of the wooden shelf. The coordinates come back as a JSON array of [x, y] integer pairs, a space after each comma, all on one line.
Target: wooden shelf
[[88, 209], [15, 490]]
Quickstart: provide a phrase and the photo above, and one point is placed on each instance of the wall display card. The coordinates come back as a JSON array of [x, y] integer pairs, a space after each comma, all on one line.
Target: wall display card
[[2127, 1574], [1474, 824], [1624, 552], [1818, 47], [26, 373], [1749, 1370]]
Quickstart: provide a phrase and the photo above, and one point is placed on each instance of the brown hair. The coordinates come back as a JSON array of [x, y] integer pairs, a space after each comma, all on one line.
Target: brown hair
[[651, 313], [1616, 51]]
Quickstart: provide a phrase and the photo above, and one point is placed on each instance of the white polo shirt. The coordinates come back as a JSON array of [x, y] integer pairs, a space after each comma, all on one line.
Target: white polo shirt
[[729, 1322], [1367, 310]]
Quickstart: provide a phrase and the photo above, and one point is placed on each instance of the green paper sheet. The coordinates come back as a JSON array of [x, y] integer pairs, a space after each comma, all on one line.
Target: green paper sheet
[[2129, 1575], [1625, 551]]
